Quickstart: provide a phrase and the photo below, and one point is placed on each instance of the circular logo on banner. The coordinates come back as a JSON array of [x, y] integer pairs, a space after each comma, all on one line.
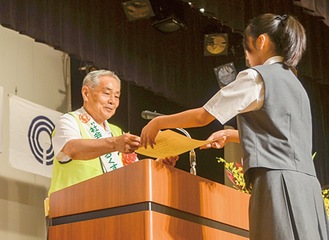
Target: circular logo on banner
[[39, 135]]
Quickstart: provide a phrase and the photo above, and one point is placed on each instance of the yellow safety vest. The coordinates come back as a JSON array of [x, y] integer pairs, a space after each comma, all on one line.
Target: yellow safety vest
[[75, 171]]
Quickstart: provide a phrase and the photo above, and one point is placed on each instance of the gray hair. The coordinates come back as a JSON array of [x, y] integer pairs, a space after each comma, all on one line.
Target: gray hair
[[92, 78]]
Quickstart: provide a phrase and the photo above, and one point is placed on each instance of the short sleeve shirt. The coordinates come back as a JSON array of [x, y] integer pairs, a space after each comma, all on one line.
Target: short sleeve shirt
[[67, 129], [244, 94]]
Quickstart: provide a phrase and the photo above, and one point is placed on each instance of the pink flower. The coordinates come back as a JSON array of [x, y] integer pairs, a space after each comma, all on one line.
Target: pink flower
[[128, 158]]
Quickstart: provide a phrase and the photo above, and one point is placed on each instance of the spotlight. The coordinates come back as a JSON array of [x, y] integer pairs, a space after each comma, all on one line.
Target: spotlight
[[168, 16], [138, 9], [225, 74], [88, 68], [215, 44], [168, 24]]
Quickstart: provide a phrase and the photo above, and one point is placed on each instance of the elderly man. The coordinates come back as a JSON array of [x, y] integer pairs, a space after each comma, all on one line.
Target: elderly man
[[85, 144]]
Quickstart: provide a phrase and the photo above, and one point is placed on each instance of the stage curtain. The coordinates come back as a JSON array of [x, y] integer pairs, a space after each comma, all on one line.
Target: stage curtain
[[99, 32], [318, 8], [171, 65]]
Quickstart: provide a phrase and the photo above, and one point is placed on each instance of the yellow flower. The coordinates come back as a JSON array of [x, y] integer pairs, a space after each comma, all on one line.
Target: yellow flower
[[234, 172], [325, 195]]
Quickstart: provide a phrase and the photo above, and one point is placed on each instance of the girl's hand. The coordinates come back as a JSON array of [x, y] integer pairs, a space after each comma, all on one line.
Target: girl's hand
[[149, 133], [219, 138]]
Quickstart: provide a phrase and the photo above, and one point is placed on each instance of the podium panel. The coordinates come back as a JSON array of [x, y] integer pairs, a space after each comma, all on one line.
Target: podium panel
[[148, 200]]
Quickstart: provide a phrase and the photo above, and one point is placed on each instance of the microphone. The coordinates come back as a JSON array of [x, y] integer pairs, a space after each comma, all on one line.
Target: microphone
[[148, 115]]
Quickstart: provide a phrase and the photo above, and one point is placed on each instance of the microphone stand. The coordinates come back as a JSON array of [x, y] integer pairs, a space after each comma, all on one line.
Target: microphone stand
[[192, 155]]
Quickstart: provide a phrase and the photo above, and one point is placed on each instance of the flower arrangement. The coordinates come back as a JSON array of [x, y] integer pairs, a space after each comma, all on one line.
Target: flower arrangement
[[325, 195], [234, 171]]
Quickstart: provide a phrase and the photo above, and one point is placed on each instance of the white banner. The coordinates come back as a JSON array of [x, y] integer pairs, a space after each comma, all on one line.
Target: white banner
[[1, 118], [30, 129]]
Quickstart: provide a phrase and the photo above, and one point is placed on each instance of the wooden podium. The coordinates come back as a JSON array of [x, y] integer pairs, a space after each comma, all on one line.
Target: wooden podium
[[148, 201]]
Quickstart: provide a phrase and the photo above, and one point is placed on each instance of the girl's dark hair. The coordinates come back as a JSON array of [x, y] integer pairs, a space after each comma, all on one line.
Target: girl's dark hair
[[286, 33]]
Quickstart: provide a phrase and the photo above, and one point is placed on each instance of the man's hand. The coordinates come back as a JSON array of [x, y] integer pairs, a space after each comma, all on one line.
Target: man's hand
[[127, 143], [171, 161]]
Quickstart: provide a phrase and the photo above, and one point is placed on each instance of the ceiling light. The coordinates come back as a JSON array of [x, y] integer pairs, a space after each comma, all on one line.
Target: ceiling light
[[168, 24], [138, 9], [215, 44]]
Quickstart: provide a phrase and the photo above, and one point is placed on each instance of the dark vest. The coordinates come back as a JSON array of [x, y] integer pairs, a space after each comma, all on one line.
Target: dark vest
[[279, 135]]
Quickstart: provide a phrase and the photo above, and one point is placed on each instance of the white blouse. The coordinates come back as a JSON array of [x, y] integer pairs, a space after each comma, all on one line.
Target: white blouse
[[244, 94]]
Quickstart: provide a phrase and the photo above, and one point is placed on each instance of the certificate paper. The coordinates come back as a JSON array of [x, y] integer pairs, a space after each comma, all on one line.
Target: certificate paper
[[170, 143]]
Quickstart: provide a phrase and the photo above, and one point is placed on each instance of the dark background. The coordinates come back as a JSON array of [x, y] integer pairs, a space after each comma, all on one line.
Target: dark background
[[169, 72]]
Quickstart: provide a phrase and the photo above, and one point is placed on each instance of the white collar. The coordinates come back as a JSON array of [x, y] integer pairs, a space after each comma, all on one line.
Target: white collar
[[274, 59]]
